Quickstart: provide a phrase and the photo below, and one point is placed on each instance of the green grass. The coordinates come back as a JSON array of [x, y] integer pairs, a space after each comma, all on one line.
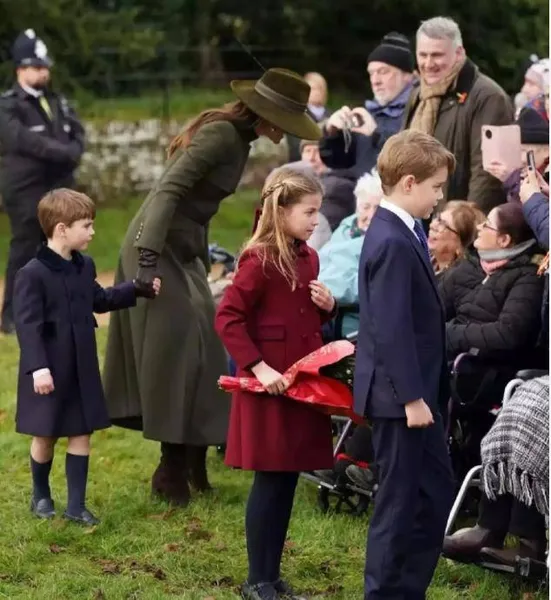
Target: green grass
[[181, 105], [229, 228], [144, 550]]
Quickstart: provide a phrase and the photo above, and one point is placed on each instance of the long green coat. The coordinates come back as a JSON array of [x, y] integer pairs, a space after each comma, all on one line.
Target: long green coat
[[163, 356]]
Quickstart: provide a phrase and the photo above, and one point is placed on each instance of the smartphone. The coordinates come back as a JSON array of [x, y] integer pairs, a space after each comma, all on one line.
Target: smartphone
[[502, 144], [531, 160]]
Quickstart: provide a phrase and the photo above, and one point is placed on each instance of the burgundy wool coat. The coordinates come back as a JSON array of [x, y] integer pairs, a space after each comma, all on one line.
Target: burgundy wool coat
[[261, 318]]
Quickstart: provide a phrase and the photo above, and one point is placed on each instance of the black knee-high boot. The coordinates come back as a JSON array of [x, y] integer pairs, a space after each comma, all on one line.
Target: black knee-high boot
[[170, 480], [198, 468]]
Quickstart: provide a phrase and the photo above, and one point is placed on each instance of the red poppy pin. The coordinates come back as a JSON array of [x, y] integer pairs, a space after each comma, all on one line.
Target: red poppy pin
[[461, 97]]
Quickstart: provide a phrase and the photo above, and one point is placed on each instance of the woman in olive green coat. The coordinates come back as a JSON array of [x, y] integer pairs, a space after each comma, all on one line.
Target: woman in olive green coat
[[164, 358]]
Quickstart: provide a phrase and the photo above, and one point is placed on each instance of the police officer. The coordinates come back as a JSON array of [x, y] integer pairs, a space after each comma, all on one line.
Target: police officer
[[41, 142]]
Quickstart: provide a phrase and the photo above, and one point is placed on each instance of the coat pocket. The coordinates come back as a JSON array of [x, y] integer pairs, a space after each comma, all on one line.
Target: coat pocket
[[271, 342]]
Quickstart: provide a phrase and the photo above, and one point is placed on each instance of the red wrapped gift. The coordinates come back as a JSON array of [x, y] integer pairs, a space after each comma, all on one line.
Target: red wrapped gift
[[308, 385]]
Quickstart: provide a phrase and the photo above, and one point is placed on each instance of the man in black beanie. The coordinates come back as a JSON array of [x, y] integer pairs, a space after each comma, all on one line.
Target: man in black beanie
[[354, 137]]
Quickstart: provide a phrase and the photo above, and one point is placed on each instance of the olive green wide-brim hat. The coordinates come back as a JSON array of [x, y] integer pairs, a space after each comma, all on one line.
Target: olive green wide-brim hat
[[281, 97]]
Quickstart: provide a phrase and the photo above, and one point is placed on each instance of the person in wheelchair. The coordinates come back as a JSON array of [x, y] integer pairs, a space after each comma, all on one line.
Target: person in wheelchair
[[515, 476], [340, 257], [493, 300], [451, 234]]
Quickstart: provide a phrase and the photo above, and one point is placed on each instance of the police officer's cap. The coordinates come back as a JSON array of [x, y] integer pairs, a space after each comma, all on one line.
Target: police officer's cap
[[30, 51]]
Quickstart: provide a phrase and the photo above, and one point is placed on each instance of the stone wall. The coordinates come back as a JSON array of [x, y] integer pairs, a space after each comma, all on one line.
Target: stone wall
[[125, 158]]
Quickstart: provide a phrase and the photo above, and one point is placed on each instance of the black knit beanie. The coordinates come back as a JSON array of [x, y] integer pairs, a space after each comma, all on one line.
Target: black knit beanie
[[394, 50], [534, 129]]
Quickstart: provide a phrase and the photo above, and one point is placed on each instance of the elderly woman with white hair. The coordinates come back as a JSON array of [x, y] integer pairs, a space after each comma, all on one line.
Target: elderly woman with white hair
[[340, 257]]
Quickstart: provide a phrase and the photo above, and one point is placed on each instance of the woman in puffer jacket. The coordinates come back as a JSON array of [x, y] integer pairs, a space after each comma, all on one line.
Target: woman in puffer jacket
[[493, 300]]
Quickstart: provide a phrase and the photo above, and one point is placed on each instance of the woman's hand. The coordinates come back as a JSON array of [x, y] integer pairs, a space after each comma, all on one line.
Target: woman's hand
[[273, 381], [321, 296], [529, 185], [499, 170]]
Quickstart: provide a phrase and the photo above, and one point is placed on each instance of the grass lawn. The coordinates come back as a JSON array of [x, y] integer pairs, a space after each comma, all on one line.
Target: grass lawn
[[229, 228], [144, 550]]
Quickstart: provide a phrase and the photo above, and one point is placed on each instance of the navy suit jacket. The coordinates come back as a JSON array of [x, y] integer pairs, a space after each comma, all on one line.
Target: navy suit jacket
[[400, 355]]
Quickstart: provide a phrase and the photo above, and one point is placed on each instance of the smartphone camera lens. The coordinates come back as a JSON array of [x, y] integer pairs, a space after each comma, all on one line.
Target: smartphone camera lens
[[488, 134]]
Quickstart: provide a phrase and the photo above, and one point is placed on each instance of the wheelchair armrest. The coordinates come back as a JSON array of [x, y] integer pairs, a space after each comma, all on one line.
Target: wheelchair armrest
[[352, 337], [527, 374], [342, 311]]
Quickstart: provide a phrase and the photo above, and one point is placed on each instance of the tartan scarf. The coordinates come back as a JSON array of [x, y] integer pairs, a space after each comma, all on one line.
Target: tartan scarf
[[515, 452], [430, 96]]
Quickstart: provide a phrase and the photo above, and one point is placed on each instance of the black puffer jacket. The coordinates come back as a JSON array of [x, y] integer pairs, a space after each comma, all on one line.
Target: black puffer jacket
[[498, 315]]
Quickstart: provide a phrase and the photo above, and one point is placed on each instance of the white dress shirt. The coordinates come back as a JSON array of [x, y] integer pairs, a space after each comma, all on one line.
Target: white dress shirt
[[400, 213]]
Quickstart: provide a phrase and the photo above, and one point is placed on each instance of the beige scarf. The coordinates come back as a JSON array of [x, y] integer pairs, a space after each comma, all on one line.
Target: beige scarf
[[430, 97]]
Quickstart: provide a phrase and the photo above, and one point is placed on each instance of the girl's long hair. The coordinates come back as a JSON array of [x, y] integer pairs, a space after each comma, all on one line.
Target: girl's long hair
[[234, 112], [284, 188]]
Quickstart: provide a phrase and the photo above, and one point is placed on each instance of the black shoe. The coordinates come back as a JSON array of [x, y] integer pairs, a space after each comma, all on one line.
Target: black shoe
[[259, 591], [43, 508], [84, 517], [360, 477], [7, 327], [286, 592]]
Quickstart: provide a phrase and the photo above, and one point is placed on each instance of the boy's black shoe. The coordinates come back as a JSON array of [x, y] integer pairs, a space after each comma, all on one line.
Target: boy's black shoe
[[286, 591], [259, 591], [85, 517], [43, 508]]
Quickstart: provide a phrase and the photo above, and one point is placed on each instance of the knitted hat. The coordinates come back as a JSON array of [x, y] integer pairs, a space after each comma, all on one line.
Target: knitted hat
[[534, 129], [394, 50]]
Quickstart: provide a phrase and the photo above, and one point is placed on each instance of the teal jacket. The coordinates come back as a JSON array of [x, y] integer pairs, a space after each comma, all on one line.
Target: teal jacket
[[339, 261]]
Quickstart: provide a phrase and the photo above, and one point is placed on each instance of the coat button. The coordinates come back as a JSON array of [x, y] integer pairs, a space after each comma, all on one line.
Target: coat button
[[302, 311]]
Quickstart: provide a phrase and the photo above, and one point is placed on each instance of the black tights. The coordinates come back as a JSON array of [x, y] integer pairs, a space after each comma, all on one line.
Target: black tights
[[266, 523]]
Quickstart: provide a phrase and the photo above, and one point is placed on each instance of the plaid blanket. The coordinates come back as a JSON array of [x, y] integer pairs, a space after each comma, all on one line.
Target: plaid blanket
[[515, 452]]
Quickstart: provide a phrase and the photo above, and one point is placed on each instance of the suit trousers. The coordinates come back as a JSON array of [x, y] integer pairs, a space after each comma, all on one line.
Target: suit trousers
[[26, 237], [412, 504]]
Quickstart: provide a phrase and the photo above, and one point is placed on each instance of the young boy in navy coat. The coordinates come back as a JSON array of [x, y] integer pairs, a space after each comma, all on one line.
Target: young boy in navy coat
[[401, 377], [59, 388]]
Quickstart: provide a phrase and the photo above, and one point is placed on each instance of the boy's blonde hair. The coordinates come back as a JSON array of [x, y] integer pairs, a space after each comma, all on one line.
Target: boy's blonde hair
[[412, 152], [63, 206], [283, 188]]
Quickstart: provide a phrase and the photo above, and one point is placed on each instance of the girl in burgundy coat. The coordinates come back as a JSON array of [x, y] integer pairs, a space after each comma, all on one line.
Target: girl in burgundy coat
[[270, 317]]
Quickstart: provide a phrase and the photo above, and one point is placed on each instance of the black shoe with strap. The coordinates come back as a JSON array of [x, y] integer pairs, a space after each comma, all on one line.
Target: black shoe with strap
[[83, 517], [259, 591], [286, 592], [43, 508]]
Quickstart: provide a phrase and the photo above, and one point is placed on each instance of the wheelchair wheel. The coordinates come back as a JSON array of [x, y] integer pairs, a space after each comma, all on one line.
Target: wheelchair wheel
[[355, 505]]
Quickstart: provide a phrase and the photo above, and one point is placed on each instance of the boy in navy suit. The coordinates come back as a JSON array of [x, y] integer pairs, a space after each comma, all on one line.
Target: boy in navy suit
[[59, 390], [401, 375]]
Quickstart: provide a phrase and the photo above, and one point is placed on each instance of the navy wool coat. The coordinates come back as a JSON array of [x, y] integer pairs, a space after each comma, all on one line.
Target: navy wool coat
[[54, 304]]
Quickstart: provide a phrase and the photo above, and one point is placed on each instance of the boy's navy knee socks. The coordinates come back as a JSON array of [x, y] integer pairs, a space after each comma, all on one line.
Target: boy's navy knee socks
[[41, 479], [76, 470]]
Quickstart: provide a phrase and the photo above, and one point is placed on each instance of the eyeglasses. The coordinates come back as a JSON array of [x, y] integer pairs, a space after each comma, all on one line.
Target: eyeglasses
[[441, 224], [487, 225]]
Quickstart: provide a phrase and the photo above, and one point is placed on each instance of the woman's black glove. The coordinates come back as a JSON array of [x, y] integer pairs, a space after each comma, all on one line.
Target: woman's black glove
[[147, 272]]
